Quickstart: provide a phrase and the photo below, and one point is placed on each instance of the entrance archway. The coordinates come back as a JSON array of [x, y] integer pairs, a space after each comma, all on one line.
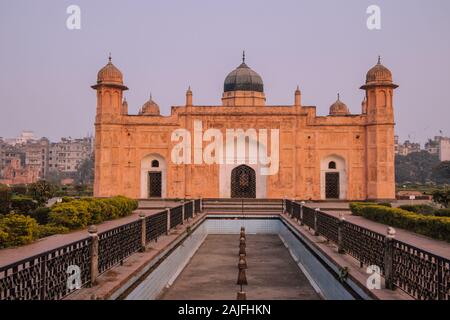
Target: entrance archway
[[243, 182], [153, 176], [333, 180]]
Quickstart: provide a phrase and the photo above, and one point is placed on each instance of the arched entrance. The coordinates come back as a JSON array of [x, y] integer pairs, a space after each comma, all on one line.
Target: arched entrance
[[243, 182], [333, 178], [153, 176]]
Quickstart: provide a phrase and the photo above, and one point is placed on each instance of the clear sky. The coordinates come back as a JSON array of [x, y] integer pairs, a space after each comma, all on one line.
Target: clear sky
[[163, 46]]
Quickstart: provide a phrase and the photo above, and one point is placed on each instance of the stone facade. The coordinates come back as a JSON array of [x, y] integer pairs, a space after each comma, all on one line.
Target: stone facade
[[356, 150]]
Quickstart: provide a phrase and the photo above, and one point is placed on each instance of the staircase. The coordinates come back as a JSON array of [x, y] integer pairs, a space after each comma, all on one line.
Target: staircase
[[246, 206]]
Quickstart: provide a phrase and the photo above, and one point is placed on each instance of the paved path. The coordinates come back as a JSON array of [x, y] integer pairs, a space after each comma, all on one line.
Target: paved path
[[212, 273], [437, 247]]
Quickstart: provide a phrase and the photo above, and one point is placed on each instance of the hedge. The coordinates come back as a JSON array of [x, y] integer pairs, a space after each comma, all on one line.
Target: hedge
[[425, 209], [431, 226], [82, 212], [5, 199], [17, 230], [23, 204], [355, 207]]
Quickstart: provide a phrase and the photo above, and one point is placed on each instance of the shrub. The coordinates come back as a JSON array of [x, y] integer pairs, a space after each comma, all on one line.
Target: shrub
[[23, 204], [49, 230], [41, 215], [356, 207], [17, 230], [72, 215], [434, 227], [5, 199], [82, 212], [442, 213], [419, 208], [19, 189]]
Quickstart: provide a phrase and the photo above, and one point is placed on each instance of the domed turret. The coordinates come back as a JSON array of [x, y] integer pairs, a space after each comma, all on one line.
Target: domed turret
[[339, 108], [150, 108], [379, 75], [243, 79], [109, 74], [243, 87]]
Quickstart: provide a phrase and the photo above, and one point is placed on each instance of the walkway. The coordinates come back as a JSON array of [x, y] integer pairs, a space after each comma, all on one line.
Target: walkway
[[212, 273]]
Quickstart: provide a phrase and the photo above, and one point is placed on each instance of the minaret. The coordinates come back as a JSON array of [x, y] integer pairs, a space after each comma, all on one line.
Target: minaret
[[380, 133], [298, 97], [124, 106], [189, 97], [109, 89]]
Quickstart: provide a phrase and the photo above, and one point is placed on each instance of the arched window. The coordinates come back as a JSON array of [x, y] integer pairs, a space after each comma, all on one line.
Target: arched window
[[155, 164], [332, 165]]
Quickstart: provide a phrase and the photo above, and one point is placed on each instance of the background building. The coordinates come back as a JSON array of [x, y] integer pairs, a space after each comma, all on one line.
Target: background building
[[66, 155]]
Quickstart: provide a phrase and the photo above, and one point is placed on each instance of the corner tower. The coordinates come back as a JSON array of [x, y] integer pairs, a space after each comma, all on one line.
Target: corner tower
[[243, 87], [110, 90], [380, 159]]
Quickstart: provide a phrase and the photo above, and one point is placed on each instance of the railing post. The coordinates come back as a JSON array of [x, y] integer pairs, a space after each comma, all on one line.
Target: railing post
[[183, 210], [168, 220], [94, 254], [143, 232], [389, 259], [193, 208], [302, 204], [291, 212], [201, 205], [341, 233], [316, 232]]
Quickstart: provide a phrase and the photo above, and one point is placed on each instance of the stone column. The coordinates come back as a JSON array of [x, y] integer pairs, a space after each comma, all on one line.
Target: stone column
[[389, 259], [340, 233], [168, 220], [143, 231], [183, 210], [316, 233], [302, 204], [94, 254]]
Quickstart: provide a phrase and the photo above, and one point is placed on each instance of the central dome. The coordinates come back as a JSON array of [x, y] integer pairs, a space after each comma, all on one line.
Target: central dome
[[243, 79]]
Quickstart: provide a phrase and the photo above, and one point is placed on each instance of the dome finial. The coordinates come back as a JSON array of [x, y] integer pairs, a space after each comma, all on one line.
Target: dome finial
[[243, 56], [339, 97], [150, 95], [379, 59], [109, 57]]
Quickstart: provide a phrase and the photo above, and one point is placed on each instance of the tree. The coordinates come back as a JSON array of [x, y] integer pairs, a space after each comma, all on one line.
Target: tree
[[441, 173], [5, 199], [416, 167], [442, 197], [41, 191], [85, 172]]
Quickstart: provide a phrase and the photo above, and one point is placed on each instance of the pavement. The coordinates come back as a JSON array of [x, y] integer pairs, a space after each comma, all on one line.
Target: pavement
[[212, 272]]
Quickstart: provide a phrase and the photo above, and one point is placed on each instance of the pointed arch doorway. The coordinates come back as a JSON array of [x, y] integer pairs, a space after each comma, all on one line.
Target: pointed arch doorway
[[243, 182]]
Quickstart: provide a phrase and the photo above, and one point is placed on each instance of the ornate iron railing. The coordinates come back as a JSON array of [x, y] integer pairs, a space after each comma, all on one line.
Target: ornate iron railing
[[296, 210], [176, 216], [288, 206], [308, 217], [327, 226], [44, 276], [197, 205], [188, 210], [364, 245], [155, 226], [117, 244], [421, 274]]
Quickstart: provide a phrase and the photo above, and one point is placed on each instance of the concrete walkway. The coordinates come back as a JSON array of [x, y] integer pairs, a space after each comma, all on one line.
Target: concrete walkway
[[212, 273]]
